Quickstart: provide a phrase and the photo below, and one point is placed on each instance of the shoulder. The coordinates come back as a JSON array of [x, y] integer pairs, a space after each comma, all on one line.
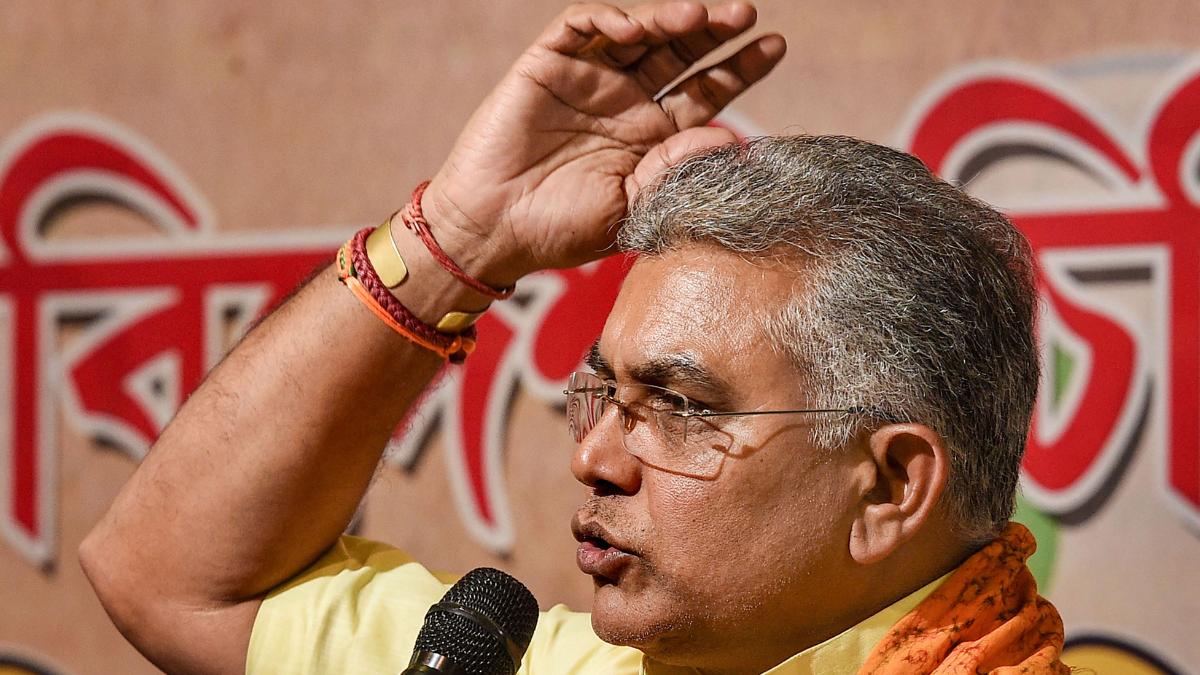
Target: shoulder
[[355, 609], [359, 607]]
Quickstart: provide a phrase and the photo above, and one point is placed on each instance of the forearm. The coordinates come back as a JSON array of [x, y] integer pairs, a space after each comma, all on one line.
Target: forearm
[[265, 464]]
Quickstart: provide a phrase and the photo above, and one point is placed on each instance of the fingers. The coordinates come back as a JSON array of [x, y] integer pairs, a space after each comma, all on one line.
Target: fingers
[[678, 51], [587, 25], [667, 38], [658, 43], [661, 24], [699, 98]]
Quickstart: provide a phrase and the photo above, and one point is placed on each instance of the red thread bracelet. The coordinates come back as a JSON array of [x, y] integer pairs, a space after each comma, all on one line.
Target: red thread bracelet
[[365, 272], [414, 219], [356, 271]]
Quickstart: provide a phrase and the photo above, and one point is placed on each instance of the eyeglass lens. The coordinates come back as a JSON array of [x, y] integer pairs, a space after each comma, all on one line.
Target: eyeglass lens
[[650, 431]]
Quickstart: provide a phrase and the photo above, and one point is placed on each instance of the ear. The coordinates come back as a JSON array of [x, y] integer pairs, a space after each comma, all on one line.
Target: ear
[[910, 465]]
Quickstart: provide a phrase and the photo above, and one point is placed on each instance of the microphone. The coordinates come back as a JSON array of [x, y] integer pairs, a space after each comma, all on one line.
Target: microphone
[[482, 626]]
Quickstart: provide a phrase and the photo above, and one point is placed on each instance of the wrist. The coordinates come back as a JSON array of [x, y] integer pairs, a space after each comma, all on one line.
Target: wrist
[[473, 245], [428, 290]]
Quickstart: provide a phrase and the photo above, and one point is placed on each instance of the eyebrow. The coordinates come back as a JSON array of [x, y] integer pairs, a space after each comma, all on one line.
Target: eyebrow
[[597, 362], [671, 371]]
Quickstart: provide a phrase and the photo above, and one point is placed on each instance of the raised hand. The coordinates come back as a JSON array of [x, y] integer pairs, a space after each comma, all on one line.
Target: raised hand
[[553, 157]]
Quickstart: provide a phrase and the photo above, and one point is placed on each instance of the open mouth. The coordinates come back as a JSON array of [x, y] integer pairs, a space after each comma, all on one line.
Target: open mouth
[[598, 542], [600, 558], [601, 554]]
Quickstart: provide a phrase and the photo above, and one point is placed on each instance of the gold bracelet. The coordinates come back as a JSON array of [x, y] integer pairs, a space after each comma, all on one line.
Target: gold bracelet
[[385, 256], [457, 322], [389, 265]]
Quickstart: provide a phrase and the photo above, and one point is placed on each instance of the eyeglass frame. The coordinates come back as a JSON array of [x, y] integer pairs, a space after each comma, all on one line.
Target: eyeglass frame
[[708, 413]]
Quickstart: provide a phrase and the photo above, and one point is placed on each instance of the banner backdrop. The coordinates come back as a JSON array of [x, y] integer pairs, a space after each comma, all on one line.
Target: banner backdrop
[[168, 172]]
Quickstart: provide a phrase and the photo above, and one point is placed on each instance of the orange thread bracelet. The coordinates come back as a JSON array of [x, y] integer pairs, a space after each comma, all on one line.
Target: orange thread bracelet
[[355, 271]]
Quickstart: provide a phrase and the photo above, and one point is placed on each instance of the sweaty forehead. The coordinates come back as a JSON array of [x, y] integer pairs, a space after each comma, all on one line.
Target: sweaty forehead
[[698, 306]]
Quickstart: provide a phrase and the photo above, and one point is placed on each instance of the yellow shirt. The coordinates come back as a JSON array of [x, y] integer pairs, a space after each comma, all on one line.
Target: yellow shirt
[[359, 608]]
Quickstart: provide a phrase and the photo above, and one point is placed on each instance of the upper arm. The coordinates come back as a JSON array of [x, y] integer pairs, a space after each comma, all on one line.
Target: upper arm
[[176, 636]]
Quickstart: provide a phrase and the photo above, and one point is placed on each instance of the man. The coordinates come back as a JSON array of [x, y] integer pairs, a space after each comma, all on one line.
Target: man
[[807, 408]]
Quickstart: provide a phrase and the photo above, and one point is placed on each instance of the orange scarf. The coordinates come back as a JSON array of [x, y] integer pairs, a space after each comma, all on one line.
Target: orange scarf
[[986, 618]]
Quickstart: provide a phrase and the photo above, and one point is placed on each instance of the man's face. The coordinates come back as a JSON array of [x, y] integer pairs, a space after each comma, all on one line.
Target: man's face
[[749, 556]]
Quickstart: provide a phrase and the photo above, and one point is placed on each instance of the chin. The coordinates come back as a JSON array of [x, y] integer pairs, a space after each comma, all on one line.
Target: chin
[[638, 622], [645, 638]]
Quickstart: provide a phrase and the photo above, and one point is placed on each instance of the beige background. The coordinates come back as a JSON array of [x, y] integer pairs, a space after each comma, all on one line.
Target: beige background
[[325, 114]]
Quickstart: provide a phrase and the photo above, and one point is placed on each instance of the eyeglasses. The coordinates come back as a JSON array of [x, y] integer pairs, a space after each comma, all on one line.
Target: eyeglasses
[[676, 434]]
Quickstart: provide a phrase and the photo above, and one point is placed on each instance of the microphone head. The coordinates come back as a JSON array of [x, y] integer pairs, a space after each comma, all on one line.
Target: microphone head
[[483, 624]]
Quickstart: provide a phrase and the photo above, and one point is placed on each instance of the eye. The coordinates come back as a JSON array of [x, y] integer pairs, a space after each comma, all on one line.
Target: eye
[[700, 406], [669, 401]]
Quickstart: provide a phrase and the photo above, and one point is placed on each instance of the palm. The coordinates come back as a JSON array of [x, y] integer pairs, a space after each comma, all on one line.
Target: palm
[[583, 136], [553, 157]]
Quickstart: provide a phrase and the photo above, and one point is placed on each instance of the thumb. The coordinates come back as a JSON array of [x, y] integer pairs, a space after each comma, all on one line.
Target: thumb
[[672, 151]]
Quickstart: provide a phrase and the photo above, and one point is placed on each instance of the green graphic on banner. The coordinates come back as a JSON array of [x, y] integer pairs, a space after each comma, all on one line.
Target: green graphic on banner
[[1063, 364], [1043, 525], [1045, 529]]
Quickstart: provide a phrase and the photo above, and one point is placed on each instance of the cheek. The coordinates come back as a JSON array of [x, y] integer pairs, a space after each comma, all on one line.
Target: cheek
[[693, 526], [764, 519], [702, 545]]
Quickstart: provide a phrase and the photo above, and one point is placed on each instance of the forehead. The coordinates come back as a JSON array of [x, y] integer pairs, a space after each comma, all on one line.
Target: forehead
[[704, 303]]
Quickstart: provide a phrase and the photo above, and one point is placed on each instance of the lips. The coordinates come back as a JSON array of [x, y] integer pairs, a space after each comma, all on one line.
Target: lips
[[598, 555]]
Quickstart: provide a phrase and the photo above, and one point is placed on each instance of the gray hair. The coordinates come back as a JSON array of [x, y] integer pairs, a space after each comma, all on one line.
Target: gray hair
[[917, 299]]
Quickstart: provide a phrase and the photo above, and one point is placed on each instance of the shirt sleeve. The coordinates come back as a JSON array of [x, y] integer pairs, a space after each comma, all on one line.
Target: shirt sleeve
[[359, 607]]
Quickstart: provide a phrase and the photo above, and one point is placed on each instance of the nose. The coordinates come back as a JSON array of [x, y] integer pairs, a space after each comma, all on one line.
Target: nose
[[601, 461]]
